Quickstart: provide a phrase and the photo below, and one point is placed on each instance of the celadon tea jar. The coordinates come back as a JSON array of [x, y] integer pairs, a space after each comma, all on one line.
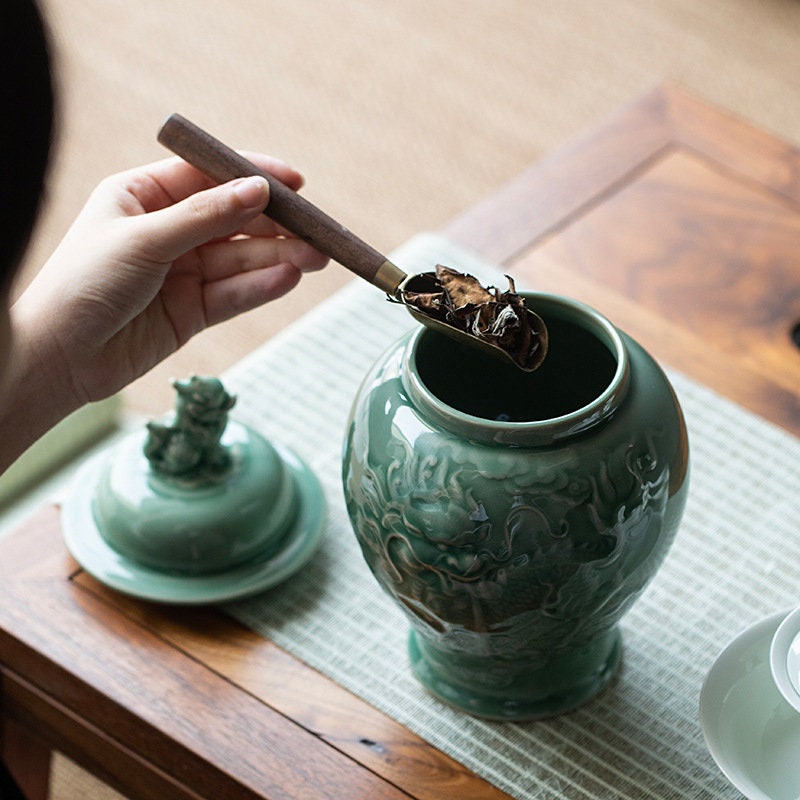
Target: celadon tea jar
[[515, 517]]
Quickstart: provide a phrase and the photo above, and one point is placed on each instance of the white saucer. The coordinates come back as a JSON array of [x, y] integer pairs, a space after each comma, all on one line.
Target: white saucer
[[90, 550], [784, 657], [751, 731]]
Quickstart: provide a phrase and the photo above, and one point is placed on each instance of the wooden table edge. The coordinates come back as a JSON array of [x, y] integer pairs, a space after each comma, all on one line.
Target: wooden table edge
[[593, 165], [35, 588]]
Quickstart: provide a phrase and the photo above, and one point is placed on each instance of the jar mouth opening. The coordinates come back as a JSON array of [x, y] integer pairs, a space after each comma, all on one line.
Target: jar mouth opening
[[581, 381]]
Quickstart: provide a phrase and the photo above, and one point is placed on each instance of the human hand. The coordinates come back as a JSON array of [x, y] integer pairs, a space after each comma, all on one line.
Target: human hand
[[156, 255]]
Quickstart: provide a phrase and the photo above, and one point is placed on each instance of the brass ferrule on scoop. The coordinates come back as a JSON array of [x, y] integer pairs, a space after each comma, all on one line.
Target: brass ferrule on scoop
[[389, 277]]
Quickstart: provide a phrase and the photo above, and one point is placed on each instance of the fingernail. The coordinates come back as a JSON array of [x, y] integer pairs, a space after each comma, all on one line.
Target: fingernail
[[252, 192]]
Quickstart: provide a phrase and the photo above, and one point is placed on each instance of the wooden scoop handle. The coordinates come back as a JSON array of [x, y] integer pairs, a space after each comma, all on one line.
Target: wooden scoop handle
[[285, 206]]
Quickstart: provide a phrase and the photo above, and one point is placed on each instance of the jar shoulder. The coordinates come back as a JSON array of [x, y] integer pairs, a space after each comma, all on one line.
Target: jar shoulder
[[385, 413]]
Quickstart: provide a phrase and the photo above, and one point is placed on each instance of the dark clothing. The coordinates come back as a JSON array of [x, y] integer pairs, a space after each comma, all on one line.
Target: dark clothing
[[8, 788]]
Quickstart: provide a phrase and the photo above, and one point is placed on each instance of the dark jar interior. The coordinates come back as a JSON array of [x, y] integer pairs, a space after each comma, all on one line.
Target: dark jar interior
[[583, 375], [578, 368]]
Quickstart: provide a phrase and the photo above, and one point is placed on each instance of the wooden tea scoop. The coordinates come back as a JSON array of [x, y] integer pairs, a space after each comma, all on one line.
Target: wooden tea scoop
[[305, 220]]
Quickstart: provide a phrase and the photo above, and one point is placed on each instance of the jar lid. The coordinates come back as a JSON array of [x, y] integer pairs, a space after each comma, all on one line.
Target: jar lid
[[196, 528]]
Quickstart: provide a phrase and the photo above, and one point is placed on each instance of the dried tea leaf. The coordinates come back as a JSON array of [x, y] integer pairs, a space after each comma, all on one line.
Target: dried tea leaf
[[499, 318], [429, 302], [462, 289]]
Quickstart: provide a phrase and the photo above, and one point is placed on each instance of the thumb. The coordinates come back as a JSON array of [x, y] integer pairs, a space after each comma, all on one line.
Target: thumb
[[206, 215]]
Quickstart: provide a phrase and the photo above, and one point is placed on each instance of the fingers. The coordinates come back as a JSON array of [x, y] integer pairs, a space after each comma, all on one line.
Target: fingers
[[247, 290], [166, 234], [222, 259], [173, 179], [163, 183], [280, 169]]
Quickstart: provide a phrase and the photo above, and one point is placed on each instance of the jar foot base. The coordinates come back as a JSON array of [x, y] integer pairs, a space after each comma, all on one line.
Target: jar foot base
[[537, 693]]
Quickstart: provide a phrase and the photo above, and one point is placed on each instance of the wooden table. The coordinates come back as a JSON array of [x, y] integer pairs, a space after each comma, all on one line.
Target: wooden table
[[678, 221]]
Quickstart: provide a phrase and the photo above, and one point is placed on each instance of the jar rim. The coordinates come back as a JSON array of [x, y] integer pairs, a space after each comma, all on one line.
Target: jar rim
[[530, 432]]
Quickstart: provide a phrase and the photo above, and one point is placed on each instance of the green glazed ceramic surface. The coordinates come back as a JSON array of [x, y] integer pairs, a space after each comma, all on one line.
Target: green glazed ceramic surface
[[92, 551], [163, 524], [515, 518]]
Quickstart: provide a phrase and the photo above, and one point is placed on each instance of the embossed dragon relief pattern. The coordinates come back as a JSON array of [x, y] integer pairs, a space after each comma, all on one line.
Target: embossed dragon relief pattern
[[537, 534]]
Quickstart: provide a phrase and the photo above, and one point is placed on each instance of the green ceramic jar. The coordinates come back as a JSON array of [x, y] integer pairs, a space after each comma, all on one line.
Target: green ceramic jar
[[515, 517]]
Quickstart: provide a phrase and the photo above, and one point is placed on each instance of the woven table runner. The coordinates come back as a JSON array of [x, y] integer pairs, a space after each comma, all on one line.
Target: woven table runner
[[736, 559]]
